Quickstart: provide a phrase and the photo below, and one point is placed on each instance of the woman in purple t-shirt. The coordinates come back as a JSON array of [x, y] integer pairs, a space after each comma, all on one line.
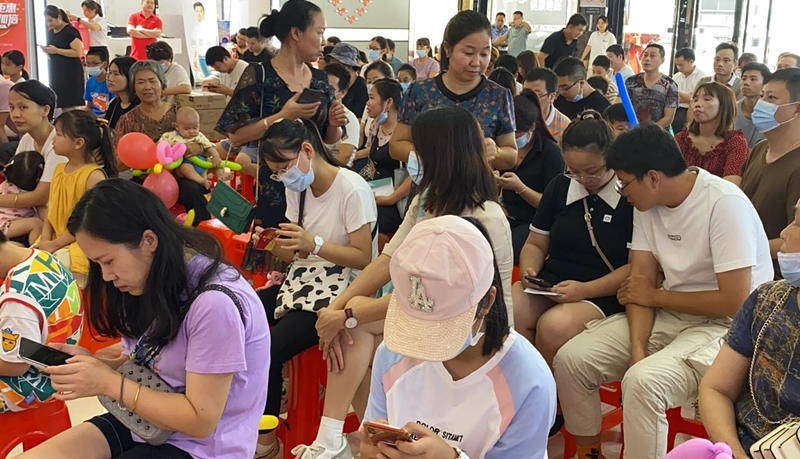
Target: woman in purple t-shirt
[[425, 65], [182, 312]]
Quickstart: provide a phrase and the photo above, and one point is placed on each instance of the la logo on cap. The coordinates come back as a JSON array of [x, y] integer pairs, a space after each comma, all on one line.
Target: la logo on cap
[[418, 298]]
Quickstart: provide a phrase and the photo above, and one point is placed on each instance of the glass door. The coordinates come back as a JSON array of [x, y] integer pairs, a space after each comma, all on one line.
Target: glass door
[[648, 22]]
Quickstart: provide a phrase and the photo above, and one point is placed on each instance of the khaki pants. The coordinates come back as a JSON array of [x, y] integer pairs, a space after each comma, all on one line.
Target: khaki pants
[[681, 348]]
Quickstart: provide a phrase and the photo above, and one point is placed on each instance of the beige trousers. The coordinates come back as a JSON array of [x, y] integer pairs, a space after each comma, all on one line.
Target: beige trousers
[[681, 348]]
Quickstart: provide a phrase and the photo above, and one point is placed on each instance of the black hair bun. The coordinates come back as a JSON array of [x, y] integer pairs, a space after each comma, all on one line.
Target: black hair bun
[[267, 26]]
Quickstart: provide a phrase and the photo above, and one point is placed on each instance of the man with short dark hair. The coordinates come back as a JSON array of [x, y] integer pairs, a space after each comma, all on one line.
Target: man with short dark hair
[[563, 43], [616, 55], [724, 64], [702, 236], [499, 28], [228, 71], [788, 60], [601, 67], [745, 59], [754, 75], [390, 57], [654, 95], [178, 81], [257, 51], [544, 83], [516, 38], [574, 93], [687, 77], [344, 150], [771, 177]]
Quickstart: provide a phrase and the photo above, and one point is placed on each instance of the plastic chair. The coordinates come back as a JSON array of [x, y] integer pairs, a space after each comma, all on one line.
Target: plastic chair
[[33, 426], [308, 373], [610, 394], [679, 424]]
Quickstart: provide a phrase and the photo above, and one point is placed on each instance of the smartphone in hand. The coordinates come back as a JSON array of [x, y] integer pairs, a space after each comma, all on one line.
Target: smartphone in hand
[[39, 355], [310, 96], [539, 282], [384, 433]]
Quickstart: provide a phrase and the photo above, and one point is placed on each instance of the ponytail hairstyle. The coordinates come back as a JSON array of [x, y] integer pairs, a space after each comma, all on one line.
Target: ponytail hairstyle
[[588, 132], [24, 170], [17, 58], [56, 13], [289, 135], [39, 94], [94, 6], [388, 88], [297, 14], [96, 134]]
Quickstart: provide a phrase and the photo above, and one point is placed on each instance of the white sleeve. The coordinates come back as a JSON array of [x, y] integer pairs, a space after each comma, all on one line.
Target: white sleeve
[[353, 129], [292, 205], [640, 225], [733, 241], [359, 207], [51, 161], [16, 321]]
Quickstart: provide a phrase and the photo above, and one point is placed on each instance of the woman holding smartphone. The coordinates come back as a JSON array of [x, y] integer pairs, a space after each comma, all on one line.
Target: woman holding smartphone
[[183, 313], [583, 267], [272, 92]]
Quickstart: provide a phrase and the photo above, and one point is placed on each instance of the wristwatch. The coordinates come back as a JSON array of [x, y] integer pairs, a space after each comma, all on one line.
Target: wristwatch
[[350, 320], [318, 241]]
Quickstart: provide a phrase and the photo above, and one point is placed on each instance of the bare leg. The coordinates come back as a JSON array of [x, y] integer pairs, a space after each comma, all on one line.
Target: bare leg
[[188, 171], [527, 310], [84, 441], [247, 164], [560, 324], [31, 226]]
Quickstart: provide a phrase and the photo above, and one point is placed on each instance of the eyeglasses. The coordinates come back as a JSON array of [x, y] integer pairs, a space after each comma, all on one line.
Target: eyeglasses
[[278, 175], [567, 88], [619, 186], [542, 95], [582, 178]]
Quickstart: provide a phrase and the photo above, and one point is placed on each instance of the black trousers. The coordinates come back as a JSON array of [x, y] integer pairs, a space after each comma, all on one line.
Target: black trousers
[[291, 335], [122, 445], [192, 195], [679, 122]]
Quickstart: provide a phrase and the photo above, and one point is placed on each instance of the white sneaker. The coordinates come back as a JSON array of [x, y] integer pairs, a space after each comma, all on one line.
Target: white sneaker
[[317, 451]]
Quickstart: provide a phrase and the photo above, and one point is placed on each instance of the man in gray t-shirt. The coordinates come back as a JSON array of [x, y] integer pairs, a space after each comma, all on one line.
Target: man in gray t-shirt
[[517, 36], [753, 77]]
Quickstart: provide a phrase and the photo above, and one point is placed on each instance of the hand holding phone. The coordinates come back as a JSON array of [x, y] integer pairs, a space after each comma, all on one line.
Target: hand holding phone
[[41, 356], [384, 433], [310, 96], [538, 282]]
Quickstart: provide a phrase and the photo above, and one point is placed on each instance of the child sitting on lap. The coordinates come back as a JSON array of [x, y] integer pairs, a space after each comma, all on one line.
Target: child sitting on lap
[[197, 144], [22, 173]]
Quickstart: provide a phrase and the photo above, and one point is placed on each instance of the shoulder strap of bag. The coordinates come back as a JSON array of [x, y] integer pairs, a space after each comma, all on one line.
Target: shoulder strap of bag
[[302, 209], [230, 293], [587, 217]]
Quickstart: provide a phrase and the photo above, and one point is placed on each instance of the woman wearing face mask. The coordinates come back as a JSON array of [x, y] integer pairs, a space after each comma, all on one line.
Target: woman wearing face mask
[[562, 251], [455, 367], [452, 150], [538, 162], [384, 98], [710, 142], [317, 237], [425, 65], [64, 49], [372, 73], [750, 388], [467, 45]]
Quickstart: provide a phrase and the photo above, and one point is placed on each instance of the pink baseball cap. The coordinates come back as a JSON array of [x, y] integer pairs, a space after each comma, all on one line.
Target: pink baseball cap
[[440, 272]]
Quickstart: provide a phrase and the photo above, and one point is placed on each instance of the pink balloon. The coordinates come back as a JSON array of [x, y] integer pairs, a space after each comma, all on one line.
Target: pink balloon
[[137, 151], [164, 186]]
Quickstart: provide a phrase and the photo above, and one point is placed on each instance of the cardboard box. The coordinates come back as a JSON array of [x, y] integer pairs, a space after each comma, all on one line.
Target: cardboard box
[[202, 101]]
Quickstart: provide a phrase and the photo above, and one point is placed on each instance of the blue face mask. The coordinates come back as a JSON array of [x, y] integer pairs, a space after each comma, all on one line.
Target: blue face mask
[[405, 86], [578, 97], [414, 168], [164, 67], [523, 141], [296, 180], [93, 71], [382, 118], [790, 267], [422, 52], [373, 54], [473, 338], [764, 115]]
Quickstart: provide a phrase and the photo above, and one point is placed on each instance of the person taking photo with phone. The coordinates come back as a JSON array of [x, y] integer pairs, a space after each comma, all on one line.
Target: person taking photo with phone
[[40, 301], [446, 340]]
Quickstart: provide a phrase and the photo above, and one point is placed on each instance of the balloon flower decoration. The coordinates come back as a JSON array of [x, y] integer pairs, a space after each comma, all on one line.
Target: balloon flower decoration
[[145, 157]]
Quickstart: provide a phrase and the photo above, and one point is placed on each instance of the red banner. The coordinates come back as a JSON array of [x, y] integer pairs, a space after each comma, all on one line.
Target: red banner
[[12, 27]]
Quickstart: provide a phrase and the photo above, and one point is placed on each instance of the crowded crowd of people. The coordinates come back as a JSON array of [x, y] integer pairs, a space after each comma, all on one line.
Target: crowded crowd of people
[[418, 211]]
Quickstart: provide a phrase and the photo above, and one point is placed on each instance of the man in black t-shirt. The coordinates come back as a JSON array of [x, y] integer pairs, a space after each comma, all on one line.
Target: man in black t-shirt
[[563, 43], [574, 93], [257, 51]]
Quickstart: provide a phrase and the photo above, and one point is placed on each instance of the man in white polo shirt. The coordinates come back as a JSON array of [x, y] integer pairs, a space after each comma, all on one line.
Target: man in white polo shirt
[[687, 77]]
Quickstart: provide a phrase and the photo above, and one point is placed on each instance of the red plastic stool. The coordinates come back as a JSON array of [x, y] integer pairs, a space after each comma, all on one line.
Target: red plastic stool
[[33, 426], [307, 373], [515, 277], [610, 394], [679, 424], [248, 187]]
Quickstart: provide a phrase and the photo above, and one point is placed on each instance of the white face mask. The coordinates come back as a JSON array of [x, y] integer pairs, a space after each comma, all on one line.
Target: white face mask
[[474, 337]]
